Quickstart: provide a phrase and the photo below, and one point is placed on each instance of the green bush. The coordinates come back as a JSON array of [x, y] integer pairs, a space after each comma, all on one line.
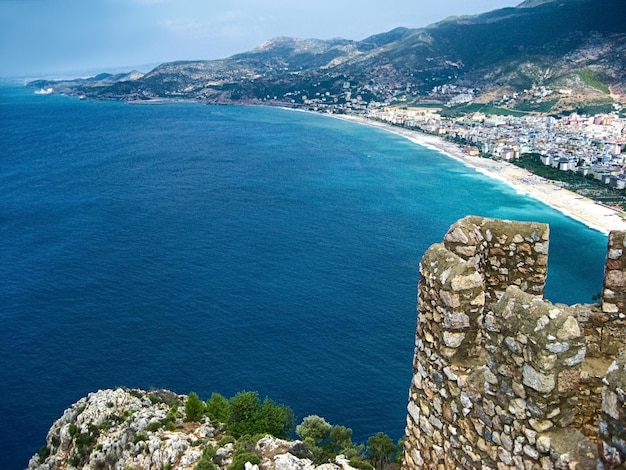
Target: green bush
[[218, 409], [206, 461], [381, 450], [341, 437], [357, 462], [155, 426], [139, 437], [249, 416], [204, 464], [209, 452], [315, 427], [170, 418], [227, 439], [239, 461], [247, 443], [83, 443], [325, 440], [135, 393], [43, 454], [194, 408]]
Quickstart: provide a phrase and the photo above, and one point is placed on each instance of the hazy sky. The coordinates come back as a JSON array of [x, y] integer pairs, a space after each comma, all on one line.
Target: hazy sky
[[43, 37]]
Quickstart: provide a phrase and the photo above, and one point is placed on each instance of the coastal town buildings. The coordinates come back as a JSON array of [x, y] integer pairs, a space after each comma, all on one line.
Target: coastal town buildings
[[589, 145]]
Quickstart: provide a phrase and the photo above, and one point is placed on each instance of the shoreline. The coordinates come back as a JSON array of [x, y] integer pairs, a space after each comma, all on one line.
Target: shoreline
[[575, 206]]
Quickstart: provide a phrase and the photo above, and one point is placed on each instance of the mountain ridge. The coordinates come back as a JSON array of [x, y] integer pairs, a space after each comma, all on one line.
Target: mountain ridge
[[554, 43]]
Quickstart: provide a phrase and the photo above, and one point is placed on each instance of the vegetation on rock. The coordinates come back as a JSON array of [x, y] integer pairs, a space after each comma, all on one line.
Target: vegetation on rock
[[136, 429]]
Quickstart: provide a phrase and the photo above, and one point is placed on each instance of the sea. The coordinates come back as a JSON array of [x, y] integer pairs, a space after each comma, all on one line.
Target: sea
[[226, 249]]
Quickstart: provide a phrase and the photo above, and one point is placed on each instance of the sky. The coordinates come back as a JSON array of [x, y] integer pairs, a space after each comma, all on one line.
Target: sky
[[46, 37]]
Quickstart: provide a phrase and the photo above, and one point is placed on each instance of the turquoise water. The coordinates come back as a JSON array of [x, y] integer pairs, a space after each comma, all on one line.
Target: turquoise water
[[210, 248]]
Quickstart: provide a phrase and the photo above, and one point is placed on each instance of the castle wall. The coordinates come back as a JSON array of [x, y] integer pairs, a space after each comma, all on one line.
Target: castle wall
[[612, 429], [502, 377], [505, 252]]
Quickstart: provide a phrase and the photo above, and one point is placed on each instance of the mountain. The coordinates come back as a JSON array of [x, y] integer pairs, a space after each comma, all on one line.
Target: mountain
[[572, 51]]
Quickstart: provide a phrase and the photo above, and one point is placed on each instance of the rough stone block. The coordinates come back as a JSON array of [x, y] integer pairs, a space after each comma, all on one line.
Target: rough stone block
[[543, 383]]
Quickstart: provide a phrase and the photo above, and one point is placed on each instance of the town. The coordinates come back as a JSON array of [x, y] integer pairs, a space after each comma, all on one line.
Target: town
[[591, 146], [585, 144]]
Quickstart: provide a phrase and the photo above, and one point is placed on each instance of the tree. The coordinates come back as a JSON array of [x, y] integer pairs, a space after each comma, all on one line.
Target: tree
[[277, 420], [218, 409], [249, 416], [194, 408], [243, 408], [381, 449], [341, 437], [315, 427]]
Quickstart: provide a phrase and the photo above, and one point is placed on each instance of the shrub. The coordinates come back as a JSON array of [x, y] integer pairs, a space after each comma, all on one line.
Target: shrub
[[325, 440], [239, 461], [227, 439], [204, 464], [206, 461], [218, 409], [209, 452], [194, 408], [140, 436], [135, 393], [83, 444], [43, 454], [381, 450], [155, 426], [249, 416], [163, 396], [247, 443], [170, 418], [74, 460], [315, 427], [243, 410], [277, 420], [341, 437], [361, 464]]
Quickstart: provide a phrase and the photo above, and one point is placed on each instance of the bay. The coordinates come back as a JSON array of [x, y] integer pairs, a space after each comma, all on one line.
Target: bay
[[220, 249]]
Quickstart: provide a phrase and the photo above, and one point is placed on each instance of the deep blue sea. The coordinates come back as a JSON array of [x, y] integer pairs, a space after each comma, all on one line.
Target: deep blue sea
[[213, 248]]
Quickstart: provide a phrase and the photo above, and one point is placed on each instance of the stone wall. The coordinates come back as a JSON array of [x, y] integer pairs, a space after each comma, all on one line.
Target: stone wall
[[502, 377]]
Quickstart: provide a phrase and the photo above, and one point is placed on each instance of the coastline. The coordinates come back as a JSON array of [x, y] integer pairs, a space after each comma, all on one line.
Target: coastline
[[582, 209]]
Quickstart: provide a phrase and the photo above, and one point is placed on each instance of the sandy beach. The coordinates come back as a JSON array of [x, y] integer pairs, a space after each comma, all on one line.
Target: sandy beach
[[585, 210]]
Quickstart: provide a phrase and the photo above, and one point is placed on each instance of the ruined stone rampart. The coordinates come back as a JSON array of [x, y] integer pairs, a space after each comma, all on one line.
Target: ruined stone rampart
[[503, 378]]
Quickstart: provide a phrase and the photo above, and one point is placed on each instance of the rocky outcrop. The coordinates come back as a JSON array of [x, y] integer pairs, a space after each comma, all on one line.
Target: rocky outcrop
[[122, 429]]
